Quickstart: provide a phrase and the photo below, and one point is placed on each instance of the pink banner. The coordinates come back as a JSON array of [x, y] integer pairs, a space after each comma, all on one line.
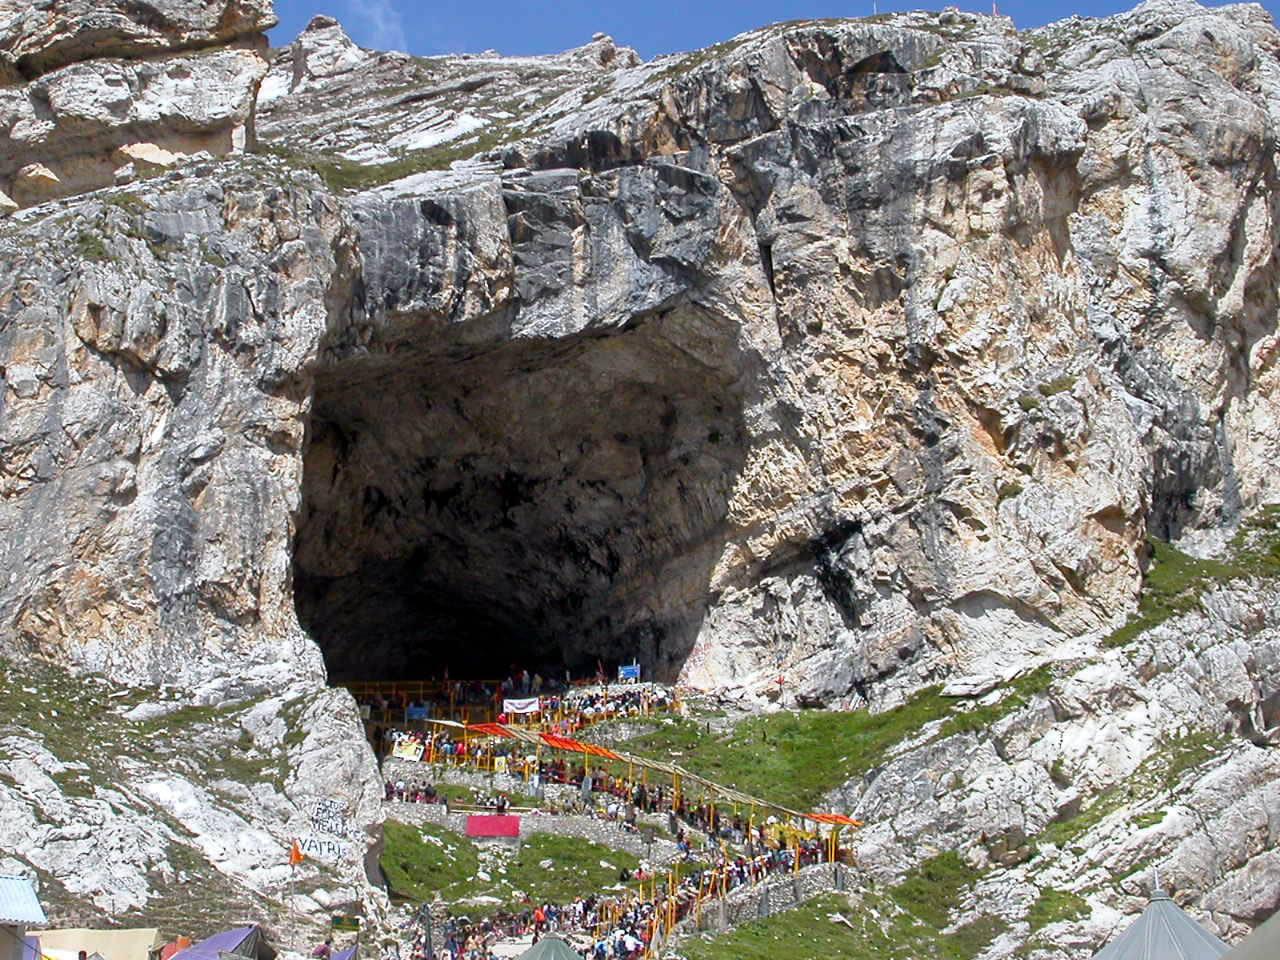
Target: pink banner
[[485, 825]]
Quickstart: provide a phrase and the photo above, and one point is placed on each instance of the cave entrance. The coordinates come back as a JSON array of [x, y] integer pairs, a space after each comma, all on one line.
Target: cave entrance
[[548, 503]]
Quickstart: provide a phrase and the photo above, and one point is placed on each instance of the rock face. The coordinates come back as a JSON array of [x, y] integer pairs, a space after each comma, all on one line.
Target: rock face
[[37, 37], [862, 353], [80, 84], [1140, 762], [122, 802], [947, 456]]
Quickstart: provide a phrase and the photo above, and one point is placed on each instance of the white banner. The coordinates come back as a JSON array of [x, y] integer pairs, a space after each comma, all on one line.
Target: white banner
[[322, 848], [408, 750], [529, 705]]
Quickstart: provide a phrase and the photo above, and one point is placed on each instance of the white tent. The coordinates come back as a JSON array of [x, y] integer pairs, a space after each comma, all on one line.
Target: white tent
[[1262, 944], [66, 944], [1165, 932]]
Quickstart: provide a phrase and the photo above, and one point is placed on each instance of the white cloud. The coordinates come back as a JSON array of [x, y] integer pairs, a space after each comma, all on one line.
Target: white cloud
[[377, 24]]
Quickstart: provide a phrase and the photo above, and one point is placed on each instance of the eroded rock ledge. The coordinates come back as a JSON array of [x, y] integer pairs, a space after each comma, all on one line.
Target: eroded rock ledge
[[97, 93]]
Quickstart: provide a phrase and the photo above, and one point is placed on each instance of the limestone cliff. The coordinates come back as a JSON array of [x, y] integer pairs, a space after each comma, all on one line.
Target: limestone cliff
[[861, 353]]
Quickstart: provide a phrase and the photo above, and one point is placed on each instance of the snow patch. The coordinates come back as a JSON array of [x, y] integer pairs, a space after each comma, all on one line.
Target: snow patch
[[440, 130]]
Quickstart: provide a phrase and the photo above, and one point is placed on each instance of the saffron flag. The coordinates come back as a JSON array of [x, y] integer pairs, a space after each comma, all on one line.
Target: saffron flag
[[295, 855]]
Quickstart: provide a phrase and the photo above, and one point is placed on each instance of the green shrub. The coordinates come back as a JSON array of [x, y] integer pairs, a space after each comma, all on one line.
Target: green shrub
[[89, 246]]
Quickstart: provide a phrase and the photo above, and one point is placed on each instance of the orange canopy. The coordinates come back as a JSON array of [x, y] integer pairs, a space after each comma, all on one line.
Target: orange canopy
[[490, 729], [833, 818], [564, 743]]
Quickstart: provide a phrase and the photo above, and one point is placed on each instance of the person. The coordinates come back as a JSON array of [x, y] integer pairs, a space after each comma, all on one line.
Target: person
[[325, 950]]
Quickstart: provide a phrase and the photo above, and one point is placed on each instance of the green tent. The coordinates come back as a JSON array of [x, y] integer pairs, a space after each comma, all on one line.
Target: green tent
[[1262, 944], [550, 948]]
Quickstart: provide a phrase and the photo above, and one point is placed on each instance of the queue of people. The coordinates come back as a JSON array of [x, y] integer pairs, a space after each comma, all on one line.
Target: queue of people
[[558, 710], [617, 927], [624, 800], [402, 792]]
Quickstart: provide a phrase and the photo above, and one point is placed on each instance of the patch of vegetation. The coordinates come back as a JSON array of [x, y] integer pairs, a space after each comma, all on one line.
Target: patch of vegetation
[[188, 716], [595, 91], [1158, 773], [128, 201], [983, 716], [929, 892], [1256, 546], [1144, 820], [799, 934], [1174, 581], [1054, 906], [1058, 772], [291, 712], [575, 869], [421, 862], [1028, 402], [692, 61], [213, 258], [73, 783], [1057, 385], [794, 758], [173, 906], [339, 174], [89, 246], [1033, 945], [969, 940], [161, 249], [1136, 868], [925, 898], [49, 706], [791, 758], [83, 721], [1171, 585], [1183, 754]]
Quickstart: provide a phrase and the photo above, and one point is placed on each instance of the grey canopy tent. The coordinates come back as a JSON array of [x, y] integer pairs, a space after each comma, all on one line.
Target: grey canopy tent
[[1163, 932], [550, 948], [1262, 944]]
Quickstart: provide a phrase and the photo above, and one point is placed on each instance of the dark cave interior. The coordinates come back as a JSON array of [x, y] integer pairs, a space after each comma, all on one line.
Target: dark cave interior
[[547, 503]]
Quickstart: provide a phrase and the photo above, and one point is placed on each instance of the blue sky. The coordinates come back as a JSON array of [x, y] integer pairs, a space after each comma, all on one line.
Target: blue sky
[[428, 27]]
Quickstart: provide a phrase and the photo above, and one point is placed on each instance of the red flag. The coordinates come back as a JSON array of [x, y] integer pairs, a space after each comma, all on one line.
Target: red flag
[[295, 855]]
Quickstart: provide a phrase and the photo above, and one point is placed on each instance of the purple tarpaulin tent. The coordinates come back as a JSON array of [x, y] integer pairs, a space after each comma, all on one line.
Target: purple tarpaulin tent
[[246, 941]]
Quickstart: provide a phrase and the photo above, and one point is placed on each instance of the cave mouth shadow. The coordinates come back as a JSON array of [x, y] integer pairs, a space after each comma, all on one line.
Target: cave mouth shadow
[[545, 503]]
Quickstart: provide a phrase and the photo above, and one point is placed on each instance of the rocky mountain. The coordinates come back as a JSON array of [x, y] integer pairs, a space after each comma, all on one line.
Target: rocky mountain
[[863, 353]]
